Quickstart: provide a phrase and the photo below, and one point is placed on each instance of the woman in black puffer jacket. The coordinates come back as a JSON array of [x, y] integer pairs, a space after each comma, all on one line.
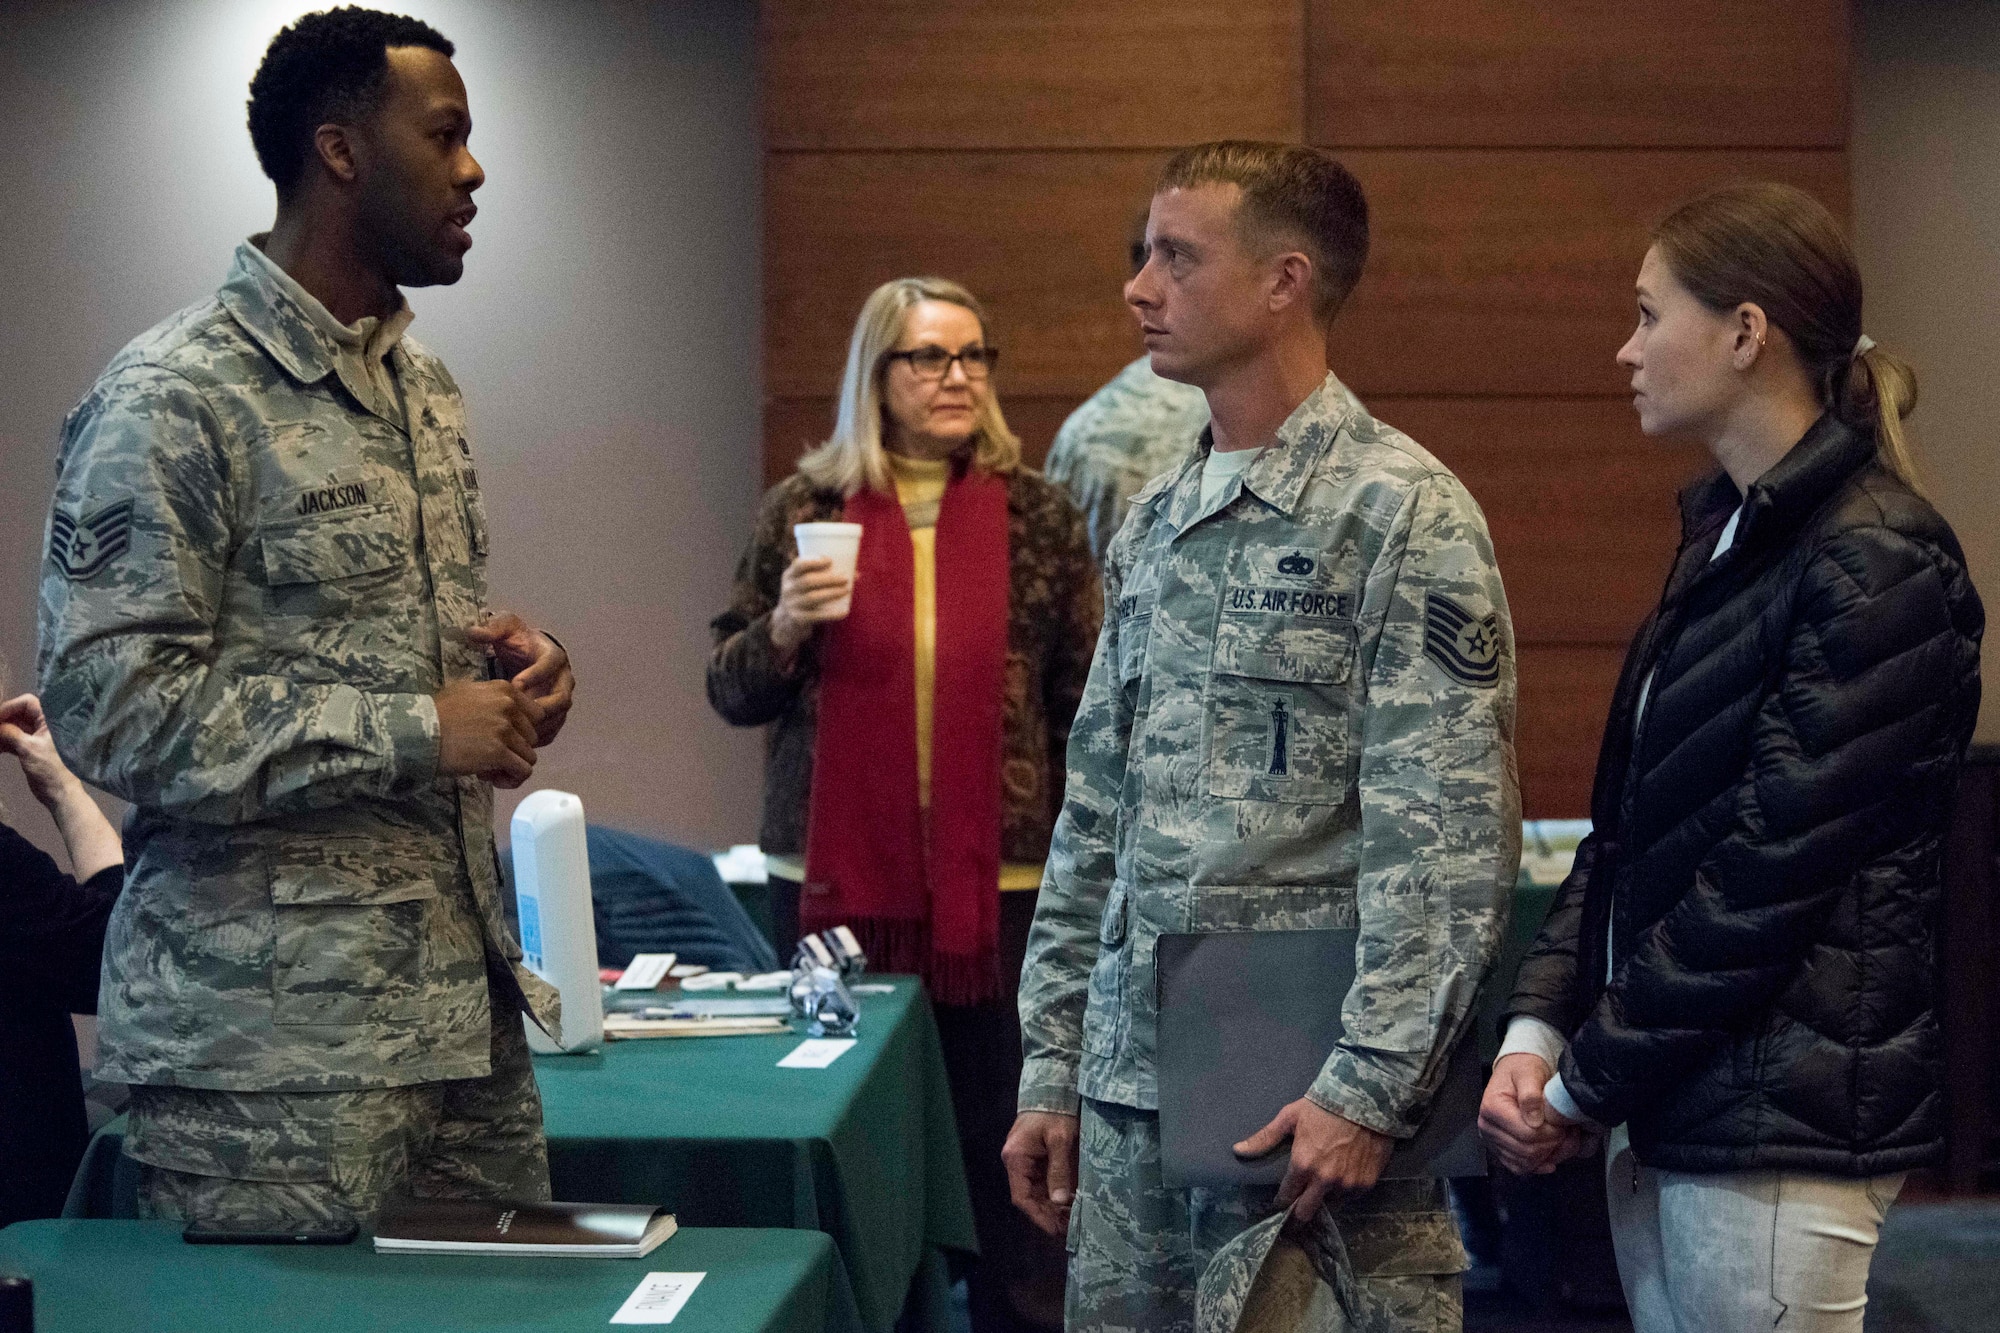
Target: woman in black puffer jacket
[[1737, 977]]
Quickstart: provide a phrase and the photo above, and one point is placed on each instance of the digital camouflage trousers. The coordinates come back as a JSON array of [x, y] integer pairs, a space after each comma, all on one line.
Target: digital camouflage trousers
[[1138, 1248], [274, 1159]]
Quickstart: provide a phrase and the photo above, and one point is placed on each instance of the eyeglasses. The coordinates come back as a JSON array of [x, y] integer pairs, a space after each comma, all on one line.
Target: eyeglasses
[[934, 363]]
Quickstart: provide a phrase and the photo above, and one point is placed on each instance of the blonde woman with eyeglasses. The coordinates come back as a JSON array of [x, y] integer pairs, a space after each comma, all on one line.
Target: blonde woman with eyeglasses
[[919, 711]]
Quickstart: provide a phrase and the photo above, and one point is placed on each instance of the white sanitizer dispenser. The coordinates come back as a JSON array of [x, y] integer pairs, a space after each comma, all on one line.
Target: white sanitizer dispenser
[[558, 934]]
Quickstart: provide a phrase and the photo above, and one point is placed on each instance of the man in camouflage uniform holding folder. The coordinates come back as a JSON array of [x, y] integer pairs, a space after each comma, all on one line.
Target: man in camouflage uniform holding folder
[[263, 624], [1300, 715]]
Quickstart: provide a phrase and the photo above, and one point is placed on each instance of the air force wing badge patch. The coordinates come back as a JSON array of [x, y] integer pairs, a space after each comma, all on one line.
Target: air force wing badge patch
[[1465, 645], [80, 547]]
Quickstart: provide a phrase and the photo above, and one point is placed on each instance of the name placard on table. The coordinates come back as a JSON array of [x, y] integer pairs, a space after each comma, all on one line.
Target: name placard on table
[[658, 1298], [817, 1052]]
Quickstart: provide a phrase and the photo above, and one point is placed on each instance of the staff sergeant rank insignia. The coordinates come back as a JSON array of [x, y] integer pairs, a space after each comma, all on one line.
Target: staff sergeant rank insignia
[[1465, 645], [80, 547]]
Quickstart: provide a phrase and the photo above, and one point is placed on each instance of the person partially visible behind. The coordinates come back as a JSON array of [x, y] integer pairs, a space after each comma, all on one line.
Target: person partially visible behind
[[916, 749], [1737, 979], [1128, 432], [51, 943], [264, 624]]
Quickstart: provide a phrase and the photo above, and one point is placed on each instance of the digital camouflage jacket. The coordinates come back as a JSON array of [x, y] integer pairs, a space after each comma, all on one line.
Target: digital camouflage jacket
[[253, 587], [1300, 715], [1128, 432]]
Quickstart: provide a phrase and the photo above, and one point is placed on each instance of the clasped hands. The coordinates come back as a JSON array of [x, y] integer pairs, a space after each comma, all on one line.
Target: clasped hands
[[1332, 1156], [1529, 1136], [491, 728]]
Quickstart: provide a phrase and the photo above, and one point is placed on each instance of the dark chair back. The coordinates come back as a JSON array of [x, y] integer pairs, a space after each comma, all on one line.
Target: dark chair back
[[654, 897]]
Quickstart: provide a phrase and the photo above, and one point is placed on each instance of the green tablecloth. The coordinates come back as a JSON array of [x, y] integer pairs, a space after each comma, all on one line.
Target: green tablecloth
[[124, 1277], [865, 1150]]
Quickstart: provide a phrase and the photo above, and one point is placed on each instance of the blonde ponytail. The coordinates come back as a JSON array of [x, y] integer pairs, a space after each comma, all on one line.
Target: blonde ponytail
[[1880, 390]]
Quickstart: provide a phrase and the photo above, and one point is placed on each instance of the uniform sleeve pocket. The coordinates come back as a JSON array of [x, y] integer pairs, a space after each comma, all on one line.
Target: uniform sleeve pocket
[[475, 524], [1134, 632], [337, 546], [350, 921], [1393, 1003], [1111, 926], [1107, 1017]]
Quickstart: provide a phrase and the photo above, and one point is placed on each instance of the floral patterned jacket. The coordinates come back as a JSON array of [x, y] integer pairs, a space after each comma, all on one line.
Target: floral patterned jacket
[[1054, 612]]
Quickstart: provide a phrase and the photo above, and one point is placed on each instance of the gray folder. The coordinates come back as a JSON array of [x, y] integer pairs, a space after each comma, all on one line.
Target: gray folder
[[1247, 1018]]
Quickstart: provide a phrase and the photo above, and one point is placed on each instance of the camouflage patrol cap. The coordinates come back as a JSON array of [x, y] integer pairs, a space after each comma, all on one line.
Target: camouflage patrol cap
[[1280, 1276]]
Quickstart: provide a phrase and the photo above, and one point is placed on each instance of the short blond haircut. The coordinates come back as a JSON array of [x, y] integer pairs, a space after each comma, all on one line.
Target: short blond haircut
[[853, 456], [1291, 195]]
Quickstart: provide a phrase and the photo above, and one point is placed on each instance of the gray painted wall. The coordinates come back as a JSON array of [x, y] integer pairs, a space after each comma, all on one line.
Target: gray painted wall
[[605, 333], [1926, 163]]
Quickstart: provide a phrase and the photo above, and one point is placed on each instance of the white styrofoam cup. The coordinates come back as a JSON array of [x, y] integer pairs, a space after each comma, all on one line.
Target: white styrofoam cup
[[838, 542]]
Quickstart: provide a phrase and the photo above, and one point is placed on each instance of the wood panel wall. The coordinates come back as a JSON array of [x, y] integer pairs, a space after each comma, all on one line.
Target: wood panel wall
[[1514, 153]]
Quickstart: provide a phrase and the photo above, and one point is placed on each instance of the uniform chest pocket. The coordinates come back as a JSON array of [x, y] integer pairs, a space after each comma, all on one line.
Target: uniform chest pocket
[[1280, 709], [344, 545]]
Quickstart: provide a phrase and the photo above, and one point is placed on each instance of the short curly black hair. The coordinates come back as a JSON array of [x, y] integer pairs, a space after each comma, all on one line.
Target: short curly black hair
[[328, 66]]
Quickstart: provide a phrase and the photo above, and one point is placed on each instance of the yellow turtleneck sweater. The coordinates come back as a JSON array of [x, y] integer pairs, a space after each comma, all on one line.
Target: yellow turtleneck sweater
[[920, 487]]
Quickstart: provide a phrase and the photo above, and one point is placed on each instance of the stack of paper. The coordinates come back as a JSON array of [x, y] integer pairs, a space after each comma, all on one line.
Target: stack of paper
[[653, 1023]]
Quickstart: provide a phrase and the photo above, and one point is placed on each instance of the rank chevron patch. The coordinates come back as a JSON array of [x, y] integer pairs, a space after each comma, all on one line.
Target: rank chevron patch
[[80, 547], [1465, 645]]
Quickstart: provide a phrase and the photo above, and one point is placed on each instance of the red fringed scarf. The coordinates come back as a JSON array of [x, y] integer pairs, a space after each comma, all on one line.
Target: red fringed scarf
[[923, 895]]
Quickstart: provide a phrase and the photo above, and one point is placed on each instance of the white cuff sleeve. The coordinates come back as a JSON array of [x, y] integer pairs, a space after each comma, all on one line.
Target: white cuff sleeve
[[1532, 1036], [1557, 1096]]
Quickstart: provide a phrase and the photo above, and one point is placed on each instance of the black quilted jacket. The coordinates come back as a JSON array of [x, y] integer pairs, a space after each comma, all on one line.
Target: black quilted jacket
[[1766, 848]]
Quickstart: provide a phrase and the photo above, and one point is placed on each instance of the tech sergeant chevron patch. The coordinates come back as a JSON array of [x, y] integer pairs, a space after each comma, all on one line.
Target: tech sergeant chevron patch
[[1465, 645]]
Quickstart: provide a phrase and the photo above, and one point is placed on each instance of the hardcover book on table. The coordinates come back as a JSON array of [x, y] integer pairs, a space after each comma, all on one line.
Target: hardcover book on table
[[507, 1226]]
